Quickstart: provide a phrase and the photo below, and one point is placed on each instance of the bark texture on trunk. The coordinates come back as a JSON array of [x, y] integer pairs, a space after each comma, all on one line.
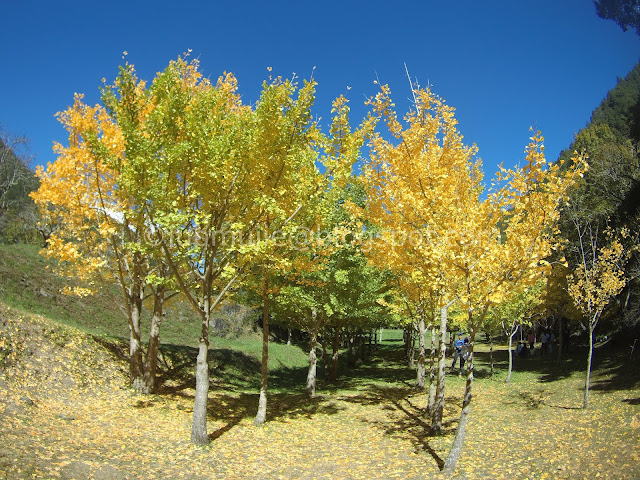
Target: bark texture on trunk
[[587, 382], [199, 427], [261, 416], [438, 408], [151, 359], [313, 361], [136, 364], [456, 448], [432, 371], [422, 360]]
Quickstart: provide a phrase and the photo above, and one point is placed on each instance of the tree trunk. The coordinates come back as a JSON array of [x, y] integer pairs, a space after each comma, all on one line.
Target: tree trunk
[[492, 371], [421, 370], [136, 364], [587, 382], [325, 358], [456, 448], [335, 344], [261, 416], [313, 360], [432, 371], [151, 360], [199, 427], [438, 409], [289, 336], [511, 335], [560, 337], [351, 361]]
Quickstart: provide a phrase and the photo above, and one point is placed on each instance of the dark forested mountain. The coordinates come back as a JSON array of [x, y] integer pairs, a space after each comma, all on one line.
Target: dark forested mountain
[[620, 111], [609, 195]]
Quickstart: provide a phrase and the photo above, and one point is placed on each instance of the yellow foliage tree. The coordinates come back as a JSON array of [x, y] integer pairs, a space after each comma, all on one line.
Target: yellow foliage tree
[[596, 280], [426, 195], [98, 229]]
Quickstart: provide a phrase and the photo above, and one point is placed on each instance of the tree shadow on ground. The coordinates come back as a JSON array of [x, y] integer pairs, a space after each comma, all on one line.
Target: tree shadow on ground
[[232, 409], [616, 372], [547, 368], [611, 366], [383, 379], [407, 420]]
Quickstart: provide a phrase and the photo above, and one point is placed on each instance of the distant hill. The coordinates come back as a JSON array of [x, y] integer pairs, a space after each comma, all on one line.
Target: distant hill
[[620, 111], [609, 193]]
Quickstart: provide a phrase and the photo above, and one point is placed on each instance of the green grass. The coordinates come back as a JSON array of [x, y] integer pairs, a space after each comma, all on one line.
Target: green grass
[[28, 283]]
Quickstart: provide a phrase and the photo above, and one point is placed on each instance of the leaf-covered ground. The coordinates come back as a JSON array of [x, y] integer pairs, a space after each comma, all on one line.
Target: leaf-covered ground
[[66, 412]]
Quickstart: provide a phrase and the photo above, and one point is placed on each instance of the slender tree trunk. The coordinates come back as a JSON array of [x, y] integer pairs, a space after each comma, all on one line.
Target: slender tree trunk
[[151, 360], [456, 448], [587, 382], [511, 335], [199, 427], [351, 361], [325, 358], [136, 364], [492, 371], [432, 371], [289, 336], [421, 370], [560, 337], [436, 420], [411, 347], [313, 360], [335, 344], [261, 416]]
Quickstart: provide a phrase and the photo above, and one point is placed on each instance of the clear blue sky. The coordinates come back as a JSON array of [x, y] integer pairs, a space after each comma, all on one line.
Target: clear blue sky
[[504, 65]]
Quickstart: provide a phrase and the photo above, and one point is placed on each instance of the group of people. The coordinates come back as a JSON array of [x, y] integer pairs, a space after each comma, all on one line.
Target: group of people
[[524, 349], [547, 339]]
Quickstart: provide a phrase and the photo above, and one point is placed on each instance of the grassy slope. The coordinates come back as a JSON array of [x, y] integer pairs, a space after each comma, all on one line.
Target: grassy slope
[[28, 284]]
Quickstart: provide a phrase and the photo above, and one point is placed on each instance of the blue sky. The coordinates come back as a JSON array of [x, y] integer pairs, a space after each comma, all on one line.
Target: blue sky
[[504, 65]]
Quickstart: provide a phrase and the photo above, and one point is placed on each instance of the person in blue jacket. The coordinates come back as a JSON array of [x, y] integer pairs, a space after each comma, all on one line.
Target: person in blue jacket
[[457, 354]]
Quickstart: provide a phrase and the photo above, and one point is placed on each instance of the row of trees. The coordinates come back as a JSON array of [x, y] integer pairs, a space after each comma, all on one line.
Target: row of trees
[[178, 188]]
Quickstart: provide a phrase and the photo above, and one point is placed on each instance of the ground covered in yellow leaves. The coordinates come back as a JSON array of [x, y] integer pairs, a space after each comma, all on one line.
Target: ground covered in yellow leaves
[[66, 412]]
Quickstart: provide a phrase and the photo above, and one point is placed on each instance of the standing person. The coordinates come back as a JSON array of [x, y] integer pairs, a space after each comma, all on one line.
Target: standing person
[[531, 338], [458, 344], [464, 355], [544, 340]]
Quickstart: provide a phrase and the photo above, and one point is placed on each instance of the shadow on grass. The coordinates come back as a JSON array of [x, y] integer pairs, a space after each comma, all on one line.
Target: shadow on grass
[[611, 366], [383, 379], [232, 409]]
